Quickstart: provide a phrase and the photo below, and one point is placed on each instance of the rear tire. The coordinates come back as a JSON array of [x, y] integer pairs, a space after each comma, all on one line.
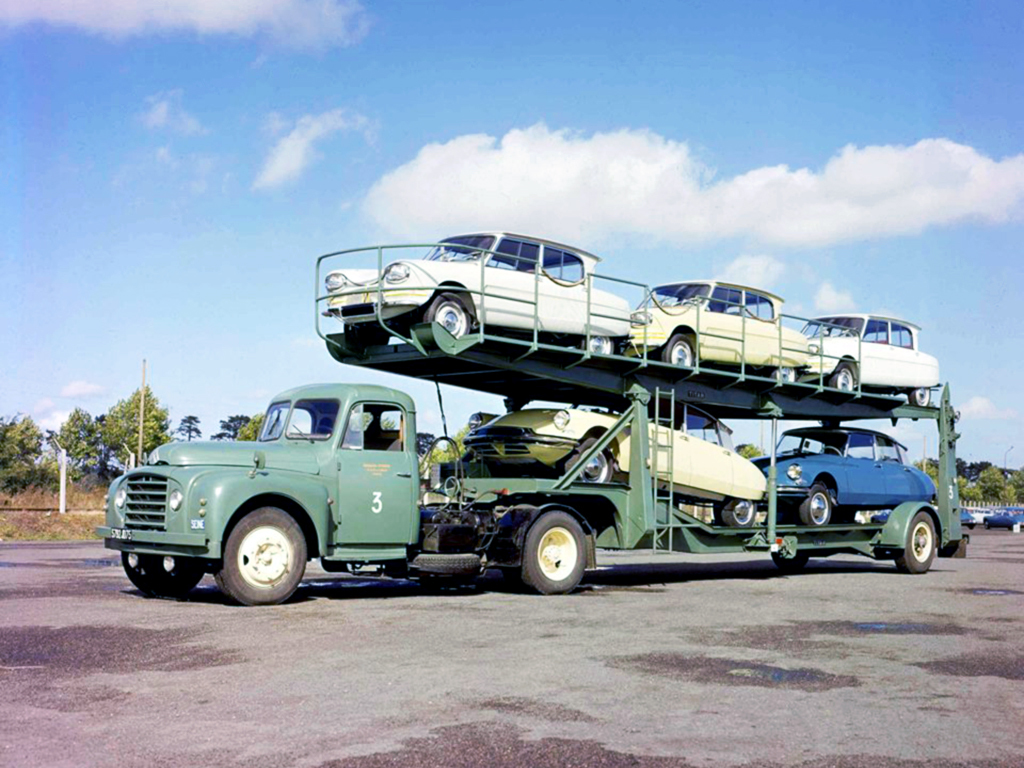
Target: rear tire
[[816, 510], [554, 554], [919, 550], [151, 578], [449, 311], [921, 397], [600, 469], [679, 351], [844, 378], [738, 514], [264, 558]]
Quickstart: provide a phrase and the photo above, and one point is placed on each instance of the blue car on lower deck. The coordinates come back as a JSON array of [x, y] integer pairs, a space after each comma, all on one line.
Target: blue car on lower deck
[[828, 473]]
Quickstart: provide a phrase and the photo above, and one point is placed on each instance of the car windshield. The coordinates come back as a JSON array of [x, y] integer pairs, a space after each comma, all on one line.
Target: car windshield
[[679, 293], [468, 248], [833, 326], [811, 443], [273, 422]]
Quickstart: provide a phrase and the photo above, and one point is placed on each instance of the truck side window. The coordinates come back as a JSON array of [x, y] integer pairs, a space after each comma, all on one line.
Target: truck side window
[[373, 427]]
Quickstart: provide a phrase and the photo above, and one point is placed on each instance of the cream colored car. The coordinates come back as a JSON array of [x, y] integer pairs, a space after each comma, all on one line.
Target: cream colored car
[[703, 465], [733, 323]]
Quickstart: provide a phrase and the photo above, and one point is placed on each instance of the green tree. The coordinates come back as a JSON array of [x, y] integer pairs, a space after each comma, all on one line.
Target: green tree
[[231, 426], [121, 425], [968, 492], [749, 451], [251, 431], [188, 428], [992, 484], [21, 451], [1017, 484], [82, 437], [930, 467]]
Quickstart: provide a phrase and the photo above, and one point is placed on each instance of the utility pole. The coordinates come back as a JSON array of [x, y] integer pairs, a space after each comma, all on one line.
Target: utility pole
[[62, 457], [1005, 456], [142, 409]]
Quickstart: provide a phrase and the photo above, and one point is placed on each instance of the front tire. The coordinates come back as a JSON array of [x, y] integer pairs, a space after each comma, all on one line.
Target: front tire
[[149, 576], [845, 377], [816, 510], [264, 558], [738, 514], [449, 311], [922, 396], [919, 551], [679, 351], [554, 554]]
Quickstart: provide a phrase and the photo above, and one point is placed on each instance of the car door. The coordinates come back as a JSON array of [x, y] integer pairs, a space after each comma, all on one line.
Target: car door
[[865, 479], [907, 366], [900, 483], [562, 292], [761, 329], [721, 325], [876, 358], [510, 284], [377, 478]]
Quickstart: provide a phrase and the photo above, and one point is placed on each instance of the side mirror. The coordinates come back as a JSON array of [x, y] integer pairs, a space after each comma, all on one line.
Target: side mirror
[[259, 460]]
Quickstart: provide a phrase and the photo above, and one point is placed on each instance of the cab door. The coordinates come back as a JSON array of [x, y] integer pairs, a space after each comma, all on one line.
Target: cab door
[[378, 478]]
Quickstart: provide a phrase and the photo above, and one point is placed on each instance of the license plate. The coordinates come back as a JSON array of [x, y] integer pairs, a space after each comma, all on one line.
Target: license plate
[[121, 533]]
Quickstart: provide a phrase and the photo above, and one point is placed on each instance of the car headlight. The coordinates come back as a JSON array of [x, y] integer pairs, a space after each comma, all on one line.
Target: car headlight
[[396, 273], [561, 419], [120, 497], [641, 318], [335, 281], [478, 419], [175, 499], [794, 472]]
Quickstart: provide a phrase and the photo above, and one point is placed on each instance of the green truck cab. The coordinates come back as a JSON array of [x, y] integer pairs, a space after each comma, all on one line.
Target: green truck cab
[[334, 475]]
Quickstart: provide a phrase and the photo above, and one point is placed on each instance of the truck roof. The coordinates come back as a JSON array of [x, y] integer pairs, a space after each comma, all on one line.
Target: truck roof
[[355, 391]]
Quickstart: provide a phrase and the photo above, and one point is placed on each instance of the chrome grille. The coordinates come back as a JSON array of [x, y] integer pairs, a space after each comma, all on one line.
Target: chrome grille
[[146, 506]]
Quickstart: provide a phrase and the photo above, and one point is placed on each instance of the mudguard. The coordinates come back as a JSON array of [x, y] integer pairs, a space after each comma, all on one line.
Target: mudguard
[[894, 534]]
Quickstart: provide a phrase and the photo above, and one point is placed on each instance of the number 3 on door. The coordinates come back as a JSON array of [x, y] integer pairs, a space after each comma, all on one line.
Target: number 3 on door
[[377, 504]]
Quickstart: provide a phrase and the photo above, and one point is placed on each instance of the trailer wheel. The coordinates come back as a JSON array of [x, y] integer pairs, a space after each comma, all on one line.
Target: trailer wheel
[[816, 509], [149, 576], [449, 311], [844, 378], [264, 559], [553, 554], [793, 564], [600, 469], [920, 546], [679, 351]]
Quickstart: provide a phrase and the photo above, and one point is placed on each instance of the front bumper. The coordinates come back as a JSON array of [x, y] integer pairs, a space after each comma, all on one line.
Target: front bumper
[[157, 542]]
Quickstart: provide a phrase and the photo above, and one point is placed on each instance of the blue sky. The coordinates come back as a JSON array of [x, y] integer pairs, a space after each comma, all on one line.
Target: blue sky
[[168, 175]]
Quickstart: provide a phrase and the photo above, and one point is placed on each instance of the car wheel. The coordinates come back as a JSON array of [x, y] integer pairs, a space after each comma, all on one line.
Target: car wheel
[[738, 513], [785, 375], [449, 311], [919, 549], [264, 558], [148, 574], [554, 554], [844, 378], [816, 509], [679, 351], [599, 345], [790, 564], [921, 396], [600, 469]]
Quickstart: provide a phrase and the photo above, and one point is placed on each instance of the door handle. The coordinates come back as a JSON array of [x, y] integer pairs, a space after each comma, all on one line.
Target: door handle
[[404, 474]]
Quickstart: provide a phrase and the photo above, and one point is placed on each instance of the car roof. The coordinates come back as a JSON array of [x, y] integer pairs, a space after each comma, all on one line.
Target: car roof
[[802, 430], [867, 316], [773, 296], [532, 238]]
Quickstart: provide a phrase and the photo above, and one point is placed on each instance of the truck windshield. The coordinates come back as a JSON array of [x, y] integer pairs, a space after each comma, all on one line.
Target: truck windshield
[[468, 248], [273, 422], [313, 419], [833, 326], [680, 293]]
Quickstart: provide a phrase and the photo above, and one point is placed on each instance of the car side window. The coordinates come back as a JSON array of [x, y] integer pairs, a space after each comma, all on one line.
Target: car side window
[[515, 255], [725, 300], [562, 265], [901, 336], [877, 332], [886, 449], [860, 446], [759, 306], [375, 427]]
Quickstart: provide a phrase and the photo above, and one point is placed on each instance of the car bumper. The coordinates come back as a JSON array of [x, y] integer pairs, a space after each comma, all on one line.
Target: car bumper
[[521, 448]]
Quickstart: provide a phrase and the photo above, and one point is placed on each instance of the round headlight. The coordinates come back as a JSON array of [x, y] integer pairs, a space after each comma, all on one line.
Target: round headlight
[[561, 419], [396, 273], [794, 472], [120, 497], [475, 421], [175, 499], [335, 281]]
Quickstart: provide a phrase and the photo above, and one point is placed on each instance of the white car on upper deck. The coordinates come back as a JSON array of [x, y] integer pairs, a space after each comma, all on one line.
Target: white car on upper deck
[[525, 282], [880, 353]]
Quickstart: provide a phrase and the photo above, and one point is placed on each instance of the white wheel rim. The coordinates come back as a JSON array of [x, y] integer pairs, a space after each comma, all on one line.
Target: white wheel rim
[[921, 542], [743, 512], [819, 508], [265, 557], [557, 554], [787, 375], [844, 380], [922, 396], [600, 345], [596, 470], [453, 319], [681, 354]]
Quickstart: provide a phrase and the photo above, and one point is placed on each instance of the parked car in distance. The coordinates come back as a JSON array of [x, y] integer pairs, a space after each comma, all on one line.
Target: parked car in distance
[[967, 520], [520, 276], [880, 353], [720, 323], [1006, 518], [704, 467], [829, 473]]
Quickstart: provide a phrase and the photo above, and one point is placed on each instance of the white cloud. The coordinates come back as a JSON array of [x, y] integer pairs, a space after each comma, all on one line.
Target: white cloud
[[294, 152], [982, 408], [291, 23], [165, 111], [82, 389], [53, 420], [830, 299], [756, 271], [575, 187], [43, 406]]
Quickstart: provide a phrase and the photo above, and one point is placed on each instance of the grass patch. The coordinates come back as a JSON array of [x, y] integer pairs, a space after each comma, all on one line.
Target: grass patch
[[42, 526], [80, 497]]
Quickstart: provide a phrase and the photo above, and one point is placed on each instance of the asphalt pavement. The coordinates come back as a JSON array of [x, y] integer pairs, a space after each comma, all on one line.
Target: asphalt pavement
[[656, 661]]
